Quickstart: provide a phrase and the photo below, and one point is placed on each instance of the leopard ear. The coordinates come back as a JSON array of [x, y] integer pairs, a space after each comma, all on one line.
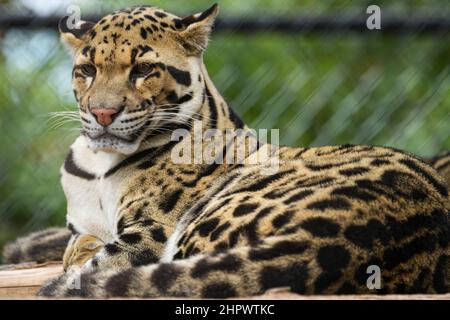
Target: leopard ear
[[197, 28], [73, 33]]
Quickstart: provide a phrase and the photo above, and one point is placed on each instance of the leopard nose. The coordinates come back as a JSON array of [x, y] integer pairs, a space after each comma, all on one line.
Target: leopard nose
[[105, 116]]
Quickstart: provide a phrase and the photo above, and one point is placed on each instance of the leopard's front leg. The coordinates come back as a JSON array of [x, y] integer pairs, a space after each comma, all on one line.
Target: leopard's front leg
[[139, 241]]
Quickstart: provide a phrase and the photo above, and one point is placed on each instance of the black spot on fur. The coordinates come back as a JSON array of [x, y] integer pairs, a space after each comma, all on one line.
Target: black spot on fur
[[205, 228], [298, 196], [169, 203], [180, 76], [279, 249], [191, 250], [143, 258], [149, 17], [353, 171], [159, 235], [402, 253], [229, 263], [172, 96], [375, 187], [326, 279], [379, 162], [353, 193], [147, 222], [143, 33], [219, 230], [178, 23], [264, 182], [164, 276], [330, 204], [160, 14], [219, 290], [131, 238], [118, 284], [436, 220], [365, 235], [321, 227], [333, 257], [185, 98], [72, 228], [112, 249], [282, 219], [313, 182], [144, 49], [294, 276], [244, 209], [134, 53]]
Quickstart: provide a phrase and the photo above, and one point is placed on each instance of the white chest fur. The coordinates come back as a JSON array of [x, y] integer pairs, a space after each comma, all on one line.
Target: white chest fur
[[91, 198]]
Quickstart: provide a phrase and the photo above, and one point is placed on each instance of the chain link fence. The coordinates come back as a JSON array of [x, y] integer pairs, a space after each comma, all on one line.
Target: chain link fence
[[318, 86]]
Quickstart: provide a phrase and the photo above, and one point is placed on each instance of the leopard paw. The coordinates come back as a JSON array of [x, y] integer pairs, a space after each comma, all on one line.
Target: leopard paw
[[82, 249]]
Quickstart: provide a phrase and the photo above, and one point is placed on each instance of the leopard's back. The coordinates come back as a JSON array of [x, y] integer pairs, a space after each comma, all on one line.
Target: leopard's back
[[344, 209]]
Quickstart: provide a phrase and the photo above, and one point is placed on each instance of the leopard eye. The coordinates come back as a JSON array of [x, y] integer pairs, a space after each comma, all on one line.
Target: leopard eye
[[88, 70], [141, 70]]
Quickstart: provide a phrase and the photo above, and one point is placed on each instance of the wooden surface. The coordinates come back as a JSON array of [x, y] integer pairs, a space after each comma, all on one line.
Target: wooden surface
[[24, 280]]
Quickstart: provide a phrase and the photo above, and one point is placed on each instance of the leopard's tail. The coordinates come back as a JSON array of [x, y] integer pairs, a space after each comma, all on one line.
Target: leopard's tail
[[285, 261], [40, 246], [441, 163]]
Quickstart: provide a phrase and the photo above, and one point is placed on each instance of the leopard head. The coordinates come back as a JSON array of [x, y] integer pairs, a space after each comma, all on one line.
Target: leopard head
[[137, 71]]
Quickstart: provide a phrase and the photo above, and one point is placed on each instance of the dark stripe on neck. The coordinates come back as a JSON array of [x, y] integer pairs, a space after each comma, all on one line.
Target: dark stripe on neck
[[148, 154], [238, 123], [71, 167], [130, 160], [212, 109]]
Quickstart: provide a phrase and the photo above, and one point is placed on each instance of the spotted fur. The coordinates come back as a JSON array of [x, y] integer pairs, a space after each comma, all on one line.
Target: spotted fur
[[442, 165], [223, 230]]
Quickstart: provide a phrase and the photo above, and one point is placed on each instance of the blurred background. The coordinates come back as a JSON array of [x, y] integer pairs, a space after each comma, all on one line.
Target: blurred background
[[309, 68]]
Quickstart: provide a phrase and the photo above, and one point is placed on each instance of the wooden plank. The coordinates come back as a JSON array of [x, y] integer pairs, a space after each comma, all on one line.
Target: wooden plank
[[24, 280]]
